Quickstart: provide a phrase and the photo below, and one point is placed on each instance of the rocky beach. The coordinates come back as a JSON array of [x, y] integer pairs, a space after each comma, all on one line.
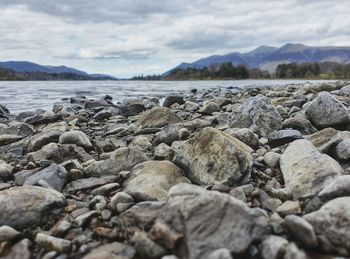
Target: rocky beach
[[218, 174]]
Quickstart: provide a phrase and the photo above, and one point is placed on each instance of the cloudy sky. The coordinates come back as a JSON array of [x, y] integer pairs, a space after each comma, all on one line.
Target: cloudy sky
[[129, 37]]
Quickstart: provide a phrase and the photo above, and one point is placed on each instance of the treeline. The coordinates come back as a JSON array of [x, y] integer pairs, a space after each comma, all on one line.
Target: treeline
[[149, 78], [11, 75], [324, 70], [223, 71]]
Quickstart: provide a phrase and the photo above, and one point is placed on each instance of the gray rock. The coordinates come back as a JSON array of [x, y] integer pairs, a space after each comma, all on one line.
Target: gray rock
[[325, 140], [244, 135], [43, 119], [222, 253], [113, 250], [76, 137], [7, 233], [158, 117], [131, 109], [51, 243], [44, 138], [273, 247], [5, 170], [343, 149], [258, 114], [6, 139], [24, 206], [230, 223], [122, 159], [89, 183], [54, 176], [338, 187], [282, 137], [163, 152], [305, 170], [152, 180], [171, 99], [326, 111], [272, 159], [293, 252], [214, 156], [301, 230], [209, 108], [147, 248], [299, 123], [19, 251], [167, 135], [332, 221], [121, 201], [4, 111]]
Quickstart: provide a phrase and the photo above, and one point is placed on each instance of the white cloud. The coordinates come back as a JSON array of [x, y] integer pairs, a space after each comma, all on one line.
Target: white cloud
[[127, 37]]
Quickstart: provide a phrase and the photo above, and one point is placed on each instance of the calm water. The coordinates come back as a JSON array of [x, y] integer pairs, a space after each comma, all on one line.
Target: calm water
[[32, 95]]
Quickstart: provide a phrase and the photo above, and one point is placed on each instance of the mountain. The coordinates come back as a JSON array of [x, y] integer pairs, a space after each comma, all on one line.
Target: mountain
[[29, 67], [268, 58]]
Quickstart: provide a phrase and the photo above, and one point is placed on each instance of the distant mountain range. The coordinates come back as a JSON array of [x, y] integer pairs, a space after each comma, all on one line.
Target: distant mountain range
[[268, 58], [29, 67]]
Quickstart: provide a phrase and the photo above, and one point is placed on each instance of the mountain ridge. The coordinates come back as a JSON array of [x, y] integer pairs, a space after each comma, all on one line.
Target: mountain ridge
[[268, 58]]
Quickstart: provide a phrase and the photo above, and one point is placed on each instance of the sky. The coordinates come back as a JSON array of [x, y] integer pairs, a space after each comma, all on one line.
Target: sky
[[132, 37]]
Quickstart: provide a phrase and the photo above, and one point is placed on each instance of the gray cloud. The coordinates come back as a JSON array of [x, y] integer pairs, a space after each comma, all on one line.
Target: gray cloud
[[126, 37]]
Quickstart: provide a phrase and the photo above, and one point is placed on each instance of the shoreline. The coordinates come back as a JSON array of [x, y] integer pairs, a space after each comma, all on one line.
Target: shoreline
[[207, 174]]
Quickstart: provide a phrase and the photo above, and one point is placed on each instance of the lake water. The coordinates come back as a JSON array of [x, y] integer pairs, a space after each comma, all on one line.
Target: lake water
[[32, 95]]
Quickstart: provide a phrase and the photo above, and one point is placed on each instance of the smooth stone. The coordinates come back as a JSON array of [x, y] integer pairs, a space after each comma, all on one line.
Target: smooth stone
[[209, 108], [338, 187], [299, 123], [81, 220], [343, 149], [20, 250], [89, 183], [273, 247], [301, 230], [272, 159], [158, 117], [282, 137], [5, 170], [43, 119], [288, 208], [76, 137], [244, 135], [25, 206], [8, 233], [6, 139], [105, 189], [258, 114], [326, 111], [332, 221], [325, 140], [152, 180], [51, 243], [55, 176], [305, 170], [147, 248], [213, 156], [43, 138], [171, 99], [122, 159], [113, 250], [163, 152], [222, 253], [230, 223]]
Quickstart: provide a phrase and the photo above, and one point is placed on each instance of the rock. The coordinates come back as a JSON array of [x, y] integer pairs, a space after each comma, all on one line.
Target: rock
[[301, 230], [6, 139], [191, 106], [122, 159], [5, 170], [44, 138], [293, 252], [338, 187], [147, 248], [299, 123], [163, 152], [332, 221], [131, 109], [244, 135], [288, 208], [121, 201], [4, 111], [76, 137], [59, 153], [43, 119], [51, 243], [326, 111], [273, 247], [105, 189], [89, 183], [171, 99], [19, 251], [152, 180], [258, 114], [113, 250], [167, 135], [325, 140], [282, 137], [343, 149], [22, 207], [54, 176], [222, 253], [272, 159], [158, 117], [305, 170], [209, 108], [82, 220], [230, 223], [214, 156], [7, 233]]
